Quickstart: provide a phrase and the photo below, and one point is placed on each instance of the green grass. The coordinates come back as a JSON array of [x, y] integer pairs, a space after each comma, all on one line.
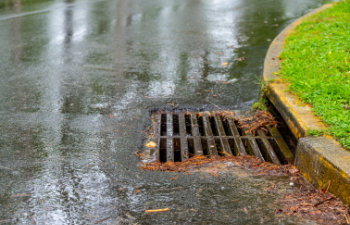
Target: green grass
[[316, 62]]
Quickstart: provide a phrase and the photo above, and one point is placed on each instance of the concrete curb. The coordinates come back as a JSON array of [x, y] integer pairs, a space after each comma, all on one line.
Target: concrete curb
[[321, 160]]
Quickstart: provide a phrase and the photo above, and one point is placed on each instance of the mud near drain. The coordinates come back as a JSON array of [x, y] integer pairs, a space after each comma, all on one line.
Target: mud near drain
[[303, 200]]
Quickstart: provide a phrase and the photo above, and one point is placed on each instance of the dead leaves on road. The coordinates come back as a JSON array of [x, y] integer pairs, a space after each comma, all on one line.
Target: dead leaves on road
[[253, 164], [313, 204], [303, 201], [259, 121], [240, 59], [224, 64]]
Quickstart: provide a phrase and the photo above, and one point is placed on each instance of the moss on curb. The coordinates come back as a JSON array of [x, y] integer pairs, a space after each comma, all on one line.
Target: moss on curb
[[261, 103]]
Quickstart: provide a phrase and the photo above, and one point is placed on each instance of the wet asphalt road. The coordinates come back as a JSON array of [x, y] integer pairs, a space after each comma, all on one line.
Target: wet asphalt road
[[78, 79]]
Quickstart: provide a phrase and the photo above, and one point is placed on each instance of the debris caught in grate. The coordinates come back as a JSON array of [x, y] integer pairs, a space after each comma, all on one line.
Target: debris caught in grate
[[177, 136]]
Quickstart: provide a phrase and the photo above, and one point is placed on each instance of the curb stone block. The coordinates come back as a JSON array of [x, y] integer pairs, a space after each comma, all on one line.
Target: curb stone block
[[321, 160]]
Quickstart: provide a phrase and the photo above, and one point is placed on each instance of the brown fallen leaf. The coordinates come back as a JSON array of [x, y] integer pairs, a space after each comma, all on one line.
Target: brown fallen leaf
[[240, 59], [174, 178], [214, 173], [271, 188], [245, 210], [22, 195], [102, 220], [317, 212], [222, 82], [277, 211], [151, 144], [224, 64], [157, 210], [293, 170], [293, 208]]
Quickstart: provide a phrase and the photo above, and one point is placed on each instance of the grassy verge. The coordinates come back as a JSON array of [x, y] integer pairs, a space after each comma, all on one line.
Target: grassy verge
[[316, 63]]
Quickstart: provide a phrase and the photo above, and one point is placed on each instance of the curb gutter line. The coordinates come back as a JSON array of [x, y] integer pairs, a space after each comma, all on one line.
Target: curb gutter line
[[321, 160]]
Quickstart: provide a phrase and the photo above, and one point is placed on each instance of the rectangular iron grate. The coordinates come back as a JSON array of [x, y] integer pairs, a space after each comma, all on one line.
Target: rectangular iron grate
[[179, 136]]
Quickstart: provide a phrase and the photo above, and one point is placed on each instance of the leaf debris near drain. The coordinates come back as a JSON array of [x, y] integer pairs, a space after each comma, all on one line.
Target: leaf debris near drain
[[309, 203], [151, 144], [303, 200], [256, 166], [260, 120], [178, 136], [181, 136]]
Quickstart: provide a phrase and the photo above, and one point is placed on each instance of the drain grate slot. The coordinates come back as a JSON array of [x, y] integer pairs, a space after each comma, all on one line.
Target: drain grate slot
[[237, 129], [185, 134], [219, 125], [176, 127], [205, 146], [190, 145], [213, 126], [255, 148], [263, 150], [279, 153], [177, 150], [247, 146], [226, 126], [200, 125], [268, 148], [219, 147], [233, 147], [188, 125], [162, 150], [163, 127]]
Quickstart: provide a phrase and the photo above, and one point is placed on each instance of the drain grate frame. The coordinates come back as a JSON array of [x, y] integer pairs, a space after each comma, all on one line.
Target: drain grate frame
[[181, 135]]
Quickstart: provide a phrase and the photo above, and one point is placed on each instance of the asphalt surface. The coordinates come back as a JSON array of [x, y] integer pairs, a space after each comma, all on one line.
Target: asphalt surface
[[78, 80]]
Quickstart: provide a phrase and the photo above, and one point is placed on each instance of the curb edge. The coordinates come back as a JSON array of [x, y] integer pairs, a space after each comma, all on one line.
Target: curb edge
[[321, 160]]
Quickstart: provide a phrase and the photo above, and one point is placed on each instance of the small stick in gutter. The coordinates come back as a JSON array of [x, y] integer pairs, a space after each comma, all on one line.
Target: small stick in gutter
[[326, 186], [326, 200], [347, 217], [157, 210]]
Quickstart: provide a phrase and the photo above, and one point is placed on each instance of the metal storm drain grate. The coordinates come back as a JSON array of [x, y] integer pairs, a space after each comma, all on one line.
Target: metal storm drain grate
[[179, 136]]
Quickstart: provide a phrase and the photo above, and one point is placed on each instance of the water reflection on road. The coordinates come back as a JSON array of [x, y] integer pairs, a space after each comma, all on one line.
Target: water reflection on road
[[77, 81]]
